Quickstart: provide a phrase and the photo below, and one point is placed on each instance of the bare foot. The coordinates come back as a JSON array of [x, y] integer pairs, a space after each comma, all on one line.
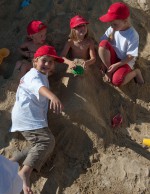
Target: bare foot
[[106, 78], [25, 173], [139, 78], [102, 72]]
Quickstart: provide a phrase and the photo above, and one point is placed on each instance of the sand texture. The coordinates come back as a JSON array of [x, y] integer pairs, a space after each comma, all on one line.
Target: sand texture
[[90, 157]]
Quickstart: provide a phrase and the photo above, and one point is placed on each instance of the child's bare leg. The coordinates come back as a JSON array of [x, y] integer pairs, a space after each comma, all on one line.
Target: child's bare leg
[[18, 65], [136, 73], [23, 66], [139, 77], [25, 173], [104, 54]]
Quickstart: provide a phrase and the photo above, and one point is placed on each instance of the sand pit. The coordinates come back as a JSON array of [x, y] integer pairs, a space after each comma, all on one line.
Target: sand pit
[[90, 156]]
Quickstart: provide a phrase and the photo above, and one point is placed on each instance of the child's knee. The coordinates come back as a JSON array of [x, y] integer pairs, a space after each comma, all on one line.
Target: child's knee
[[117, 79], [104, 43], [18, 65], [51, 142]]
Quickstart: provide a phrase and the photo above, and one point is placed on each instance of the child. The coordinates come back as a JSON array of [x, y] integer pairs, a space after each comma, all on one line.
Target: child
[[29, 114], [36, 37], [119, 46], [80, 45], [10, 182]]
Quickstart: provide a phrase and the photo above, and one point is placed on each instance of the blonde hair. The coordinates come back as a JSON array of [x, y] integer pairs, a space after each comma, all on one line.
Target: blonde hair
[[35, 60], [73, 35]]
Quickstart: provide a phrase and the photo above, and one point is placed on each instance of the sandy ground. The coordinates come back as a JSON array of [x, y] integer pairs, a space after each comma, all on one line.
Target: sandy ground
[[90, 156]]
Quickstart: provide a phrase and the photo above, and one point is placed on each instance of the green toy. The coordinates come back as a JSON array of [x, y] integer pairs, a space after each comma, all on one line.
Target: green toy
[[78, 70]]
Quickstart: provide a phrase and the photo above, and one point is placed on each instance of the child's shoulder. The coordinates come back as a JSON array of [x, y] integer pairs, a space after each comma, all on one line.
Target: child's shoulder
[[27, 43], [32, 75], [89, 40], [133, 31], [131, 34], [70, 41]]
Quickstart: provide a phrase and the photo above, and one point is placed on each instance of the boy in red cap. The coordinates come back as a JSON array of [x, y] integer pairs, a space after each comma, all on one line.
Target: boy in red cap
[[29, 114], [81, 47], [36, 31], [118, 48]]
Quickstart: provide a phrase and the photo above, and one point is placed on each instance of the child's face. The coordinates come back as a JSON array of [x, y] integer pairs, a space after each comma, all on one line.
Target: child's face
[[39, 38], [119, 25], [45, 64], [81, 30]]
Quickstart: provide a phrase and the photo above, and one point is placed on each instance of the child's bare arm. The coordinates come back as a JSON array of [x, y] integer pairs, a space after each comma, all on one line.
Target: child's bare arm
[[64, 54], [126, 60], [113, 67], [92, 55], [55, 103]]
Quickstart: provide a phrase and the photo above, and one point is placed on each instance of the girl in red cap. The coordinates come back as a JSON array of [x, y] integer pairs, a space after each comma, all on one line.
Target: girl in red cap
[[29, 114], [79, 45], [36, 31], [118, 48]]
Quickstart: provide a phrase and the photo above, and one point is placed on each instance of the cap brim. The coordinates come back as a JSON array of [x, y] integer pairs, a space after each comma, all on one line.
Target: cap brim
[[107, 18], [78, 24], [58, 59]]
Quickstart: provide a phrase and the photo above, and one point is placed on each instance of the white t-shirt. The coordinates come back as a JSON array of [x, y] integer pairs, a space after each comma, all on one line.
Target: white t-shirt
[[30, 108], [10, 181], [124, 43]]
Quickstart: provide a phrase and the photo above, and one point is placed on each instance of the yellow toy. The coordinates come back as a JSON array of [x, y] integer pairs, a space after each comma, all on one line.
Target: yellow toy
[[146, 142], [4, 52]]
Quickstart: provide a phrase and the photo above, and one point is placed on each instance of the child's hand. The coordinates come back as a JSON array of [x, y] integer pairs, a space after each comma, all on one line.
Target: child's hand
[[56, 105], [83, 64], [112, 68], [26, 54], [72, 65]]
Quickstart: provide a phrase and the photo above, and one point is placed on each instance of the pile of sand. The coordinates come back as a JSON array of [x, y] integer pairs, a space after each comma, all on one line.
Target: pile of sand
[[90, 156]]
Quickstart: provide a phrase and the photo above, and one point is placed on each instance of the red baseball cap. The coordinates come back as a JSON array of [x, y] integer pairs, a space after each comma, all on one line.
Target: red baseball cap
[[77, 20], [116, 11], [48, 51], [35, 26]]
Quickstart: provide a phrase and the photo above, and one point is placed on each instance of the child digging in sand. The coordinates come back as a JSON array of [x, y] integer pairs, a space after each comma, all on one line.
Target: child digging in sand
[[119, 47], [36, 31], [29, 114], [81, 47]]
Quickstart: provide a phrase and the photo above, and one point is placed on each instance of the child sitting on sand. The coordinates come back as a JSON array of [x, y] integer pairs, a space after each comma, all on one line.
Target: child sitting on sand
[[36, 37], [29, 114], [118, 48], [81, 47]]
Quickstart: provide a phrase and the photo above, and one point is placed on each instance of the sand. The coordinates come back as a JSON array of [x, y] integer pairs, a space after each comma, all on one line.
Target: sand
[[90, 156]]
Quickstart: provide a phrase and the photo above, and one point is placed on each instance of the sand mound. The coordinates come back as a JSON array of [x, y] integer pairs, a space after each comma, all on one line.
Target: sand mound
[[90, 156]]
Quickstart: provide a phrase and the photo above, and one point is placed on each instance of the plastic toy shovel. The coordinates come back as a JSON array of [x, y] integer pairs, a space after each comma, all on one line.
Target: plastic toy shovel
[[117, 120], [4, 52]]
